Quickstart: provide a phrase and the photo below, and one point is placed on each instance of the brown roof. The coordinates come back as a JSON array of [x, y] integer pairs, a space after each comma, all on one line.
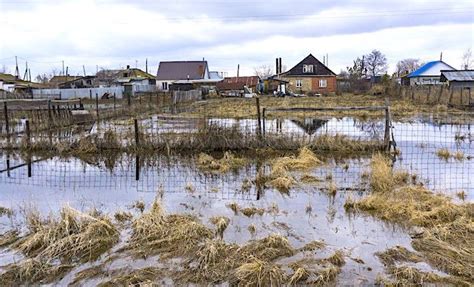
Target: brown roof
[[181, 70], [238, 83], [7, 78], [62, 79]]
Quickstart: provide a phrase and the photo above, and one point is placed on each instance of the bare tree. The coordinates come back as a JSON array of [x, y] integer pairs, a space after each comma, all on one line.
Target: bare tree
[[43, 78], [263, 71], [343, 74], [357, 70], [4, 69], [467, 61], [407, 66], [375, 63]]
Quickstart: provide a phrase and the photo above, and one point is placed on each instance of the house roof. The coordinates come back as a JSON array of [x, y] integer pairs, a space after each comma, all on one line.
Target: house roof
[[7, 78], [182, 70], [238, 83], [430, 69], [457, 76], [62, 79], [319, 68]]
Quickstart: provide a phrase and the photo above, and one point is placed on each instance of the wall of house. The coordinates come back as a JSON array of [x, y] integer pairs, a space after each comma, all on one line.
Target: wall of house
[[159, 85], [459, 85], [419, 81], [311, 84]]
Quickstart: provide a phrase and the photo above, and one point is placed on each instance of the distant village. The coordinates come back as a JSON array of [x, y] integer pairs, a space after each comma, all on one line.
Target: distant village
[[309, 77]]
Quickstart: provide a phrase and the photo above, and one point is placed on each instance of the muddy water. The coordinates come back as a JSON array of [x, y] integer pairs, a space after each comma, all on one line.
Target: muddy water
[[308, 213]]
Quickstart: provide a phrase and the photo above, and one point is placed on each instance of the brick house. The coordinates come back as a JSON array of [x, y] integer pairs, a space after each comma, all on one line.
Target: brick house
[[310, 75]]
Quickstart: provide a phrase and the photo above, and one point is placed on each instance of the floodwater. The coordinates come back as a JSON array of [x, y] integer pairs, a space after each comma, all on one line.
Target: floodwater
[[307, 213]]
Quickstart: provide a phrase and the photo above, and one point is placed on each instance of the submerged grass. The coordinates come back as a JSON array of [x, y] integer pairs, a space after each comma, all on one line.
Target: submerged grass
[[228, 162], [32, 272], [447, 237], [73, 237]]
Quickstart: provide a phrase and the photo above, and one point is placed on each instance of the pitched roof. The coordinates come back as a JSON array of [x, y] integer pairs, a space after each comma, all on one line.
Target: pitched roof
[[182, 70], [237, 83], [62, 79], [7, 77], [430, 69], [319, 68], [457, 76]]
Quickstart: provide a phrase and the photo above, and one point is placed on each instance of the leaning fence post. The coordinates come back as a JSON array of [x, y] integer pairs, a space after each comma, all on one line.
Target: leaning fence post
[[263, 121], [7, 123], [137, 138], [259, 116], [27, 132]]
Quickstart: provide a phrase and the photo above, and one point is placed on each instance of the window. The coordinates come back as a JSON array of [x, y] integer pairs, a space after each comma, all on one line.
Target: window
[[299, 83], [323, 83], [307, 68], [164, 86]]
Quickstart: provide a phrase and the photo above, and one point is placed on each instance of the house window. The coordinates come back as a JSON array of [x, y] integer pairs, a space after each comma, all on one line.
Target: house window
[[307, 68], [164, 86], [299, 83], [323, 83]]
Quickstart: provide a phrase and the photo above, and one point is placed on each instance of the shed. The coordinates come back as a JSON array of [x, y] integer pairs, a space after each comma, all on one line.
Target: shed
[[458, 79]]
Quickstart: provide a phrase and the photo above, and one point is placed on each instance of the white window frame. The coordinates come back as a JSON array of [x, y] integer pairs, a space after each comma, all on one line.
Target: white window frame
[[164, 85], [299, 83], [308, 68], [323, 83]]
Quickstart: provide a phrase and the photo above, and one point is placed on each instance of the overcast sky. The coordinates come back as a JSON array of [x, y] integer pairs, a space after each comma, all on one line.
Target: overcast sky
[[114, 33]]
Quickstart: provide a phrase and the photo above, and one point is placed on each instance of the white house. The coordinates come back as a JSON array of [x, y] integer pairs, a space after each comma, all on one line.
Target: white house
[[185, 73], [428, 74]]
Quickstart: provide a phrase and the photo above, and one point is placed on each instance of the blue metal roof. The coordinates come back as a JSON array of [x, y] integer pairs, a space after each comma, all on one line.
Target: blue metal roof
[[425, 68]]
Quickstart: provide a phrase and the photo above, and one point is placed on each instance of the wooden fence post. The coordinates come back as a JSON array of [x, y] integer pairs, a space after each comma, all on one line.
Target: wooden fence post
[[90, 94], [97, 106], [115, 100], [387, 142], [7, 123], [462, 102], [263, 121], [81, 106], [137, 138], [451, 95], [259, 116], [28, 134], [440, 94]]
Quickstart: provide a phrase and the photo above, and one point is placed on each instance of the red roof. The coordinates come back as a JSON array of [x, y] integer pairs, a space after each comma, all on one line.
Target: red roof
[[238, 83]]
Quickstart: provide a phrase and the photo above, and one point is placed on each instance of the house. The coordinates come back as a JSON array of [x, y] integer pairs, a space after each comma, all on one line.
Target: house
[[77, 83], [185, 74], [428, 74], [7, 82], [239, 85], [310, 76], [56, 81], [458, 79]]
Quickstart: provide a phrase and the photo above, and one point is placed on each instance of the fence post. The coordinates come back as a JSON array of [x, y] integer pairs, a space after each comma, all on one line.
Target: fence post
[[27, 132], [137, 138], [90, 94], [440, 94], [129, 99], [451, 95], [461, 96], [97, 106], [263, 121], [429, 94], [470, 103], [115, 100], [7, 123], [259, 116], [60, 95], [387, 142], [81, 106]]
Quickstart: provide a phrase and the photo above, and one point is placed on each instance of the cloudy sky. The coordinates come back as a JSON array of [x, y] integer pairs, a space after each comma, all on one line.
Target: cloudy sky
[[114, 33]]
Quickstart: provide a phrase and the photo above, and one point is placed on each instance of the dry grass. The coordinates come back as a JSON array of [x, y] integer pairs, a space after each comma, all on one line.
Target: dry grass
[[260, 273], [140, 277], [443, 153], [73, 237], [87, 274], [310, 179], [313, 245], [168, 235], [8, 238], [33, 272], [221, 224], [228, 162], [123, 216], [398, 254], [251, 211], [447, 240]]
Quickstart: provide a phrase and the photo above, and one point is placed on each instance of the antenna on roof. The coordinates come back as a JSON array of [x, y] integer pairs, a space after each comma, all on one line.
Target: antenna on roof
[[84, 70], [441, 56], [238, 70], [146, 65]]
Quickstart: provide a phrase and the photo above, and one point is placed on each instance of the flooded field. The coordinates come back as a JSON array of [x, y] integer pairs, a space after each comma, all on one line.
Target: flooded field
[[311, 209]]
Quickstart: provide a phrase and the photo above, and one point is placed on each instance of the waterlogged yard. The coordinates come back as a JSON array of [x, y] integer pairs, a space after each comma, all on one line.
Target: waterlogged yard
[[329, 212]]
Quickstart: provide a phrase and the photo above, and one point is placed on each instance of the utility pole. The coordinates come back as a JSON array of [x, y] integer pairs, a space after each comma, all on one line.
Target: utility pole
[[29, 74], [238, 70], [63, 66], [84, 70], [26, 71], [17, 71], [146, 65]]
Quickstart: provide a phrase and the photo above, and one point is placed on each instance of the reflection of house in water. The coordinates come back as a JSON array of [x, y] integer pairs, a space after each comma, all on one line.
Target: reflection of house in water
[[310, 126]]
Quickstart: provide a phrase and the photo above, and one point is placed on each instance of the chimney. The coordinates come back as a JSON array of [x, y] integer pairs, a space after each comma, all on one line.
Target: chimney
[[441, 56], [279, 66], [128, 67]]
